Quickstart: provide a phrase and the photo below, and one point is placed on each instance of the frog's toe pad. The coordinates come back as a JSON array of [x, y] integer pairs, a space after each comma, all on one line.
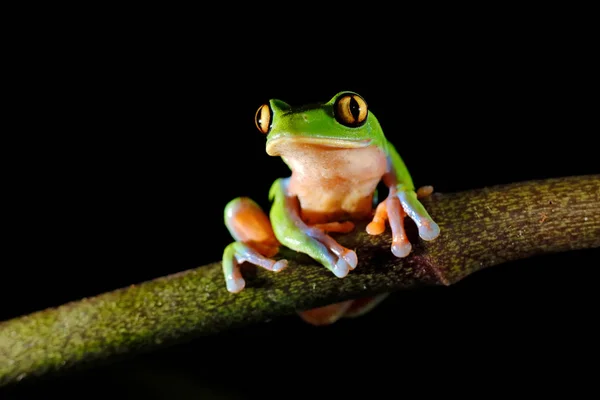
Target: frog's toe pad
[[350, 257], [429, 230], [376, 227], [341, 268], [280, 265], [424, 191], [401, 249], [235, 285]]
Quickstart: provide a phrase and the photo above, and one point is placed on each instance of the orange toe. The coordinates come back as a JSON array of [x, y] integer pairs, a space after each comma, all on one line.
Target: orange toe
[[375, 228]]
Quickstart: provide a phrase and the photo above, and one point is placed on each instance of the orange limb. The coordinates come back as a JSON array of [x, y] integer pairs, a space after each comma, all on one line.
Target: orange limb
[[247, 223], [326, 315], [254, 243], [331, 313], [362, 306]]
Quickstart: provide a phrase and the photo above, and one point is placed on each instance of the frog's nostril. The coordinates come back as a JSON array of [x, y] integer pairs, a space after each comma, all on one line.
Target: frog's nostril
[[305, 117]]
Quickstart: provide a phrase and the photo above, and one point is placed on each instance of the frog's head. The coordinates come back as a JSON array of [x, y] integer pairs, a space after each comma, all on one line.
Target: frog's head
[[343, 122]]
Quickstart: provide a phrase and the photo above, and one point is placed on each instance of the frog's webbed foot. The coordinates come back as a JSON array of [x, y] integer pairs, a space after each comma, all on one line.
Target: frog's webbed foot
[[336, 257], [314, 242], [394, 209], [237, 253], [293, 232], [347, 259]]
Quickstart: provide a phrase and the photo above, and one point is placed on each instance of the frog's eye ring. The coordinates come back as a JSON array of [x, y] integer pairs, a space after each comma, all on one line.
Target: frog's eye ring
[[263, 118], [350, 110]]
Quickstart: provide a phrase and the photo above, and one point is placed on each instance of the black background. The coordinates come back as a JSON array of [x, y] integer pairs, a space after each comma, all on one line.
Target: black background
[[132, 144]]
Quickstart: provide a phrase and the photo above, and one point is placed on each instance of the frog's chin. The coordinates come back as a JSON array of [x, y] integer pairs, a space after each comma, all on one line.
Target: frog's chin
[[277, 146]]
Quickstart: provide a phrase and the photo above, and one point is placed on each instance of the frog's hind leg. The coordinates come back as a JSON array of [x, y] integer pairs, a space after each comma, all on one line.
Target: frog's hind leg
[[364, 305], [326, 315], [329, 314], [254, 243]]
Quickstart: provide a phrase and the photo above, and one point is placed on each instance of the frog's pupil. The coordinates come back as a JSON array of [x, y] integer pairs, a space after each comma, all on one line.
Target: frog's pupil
[[354, 108]]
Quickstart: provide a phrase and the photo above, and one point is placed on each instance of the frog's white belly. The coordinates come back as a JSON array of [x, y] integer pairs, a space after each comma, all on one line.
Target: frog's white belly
[[334, 184]]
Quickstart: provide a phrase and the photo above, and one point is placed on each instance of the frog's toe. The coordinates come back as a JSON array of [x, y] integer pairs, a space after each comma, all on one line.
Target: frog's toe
[[336, 257], [280, 265], [350, 257], [424, 191], [377, 225], [235, 284], [429, 230], [341, 268], [401, 249]]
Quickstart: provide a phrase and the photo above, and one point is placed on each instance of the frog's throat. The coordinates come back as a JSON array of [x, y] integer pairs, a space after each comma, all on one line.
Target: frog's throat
[[274, 146]]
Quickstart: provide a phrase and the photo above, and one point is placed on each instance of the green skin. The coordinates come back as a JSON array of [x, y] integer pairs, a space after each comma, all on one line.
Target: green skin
[[294, 133]]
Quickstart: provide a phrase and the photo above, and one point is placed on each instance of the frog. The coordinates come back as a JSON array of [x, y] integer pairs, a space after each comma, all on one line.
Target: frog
[[338, 155]]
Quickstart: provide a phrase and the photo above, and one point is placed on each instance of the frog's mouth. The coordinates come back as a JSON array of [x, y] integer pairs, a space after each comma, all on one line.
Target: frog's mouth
[[277, 146]]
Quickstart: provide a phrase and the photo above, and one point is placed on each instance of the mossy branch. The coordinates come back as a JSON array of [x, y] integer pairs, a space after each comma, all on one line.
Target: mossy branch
[[479, 229]]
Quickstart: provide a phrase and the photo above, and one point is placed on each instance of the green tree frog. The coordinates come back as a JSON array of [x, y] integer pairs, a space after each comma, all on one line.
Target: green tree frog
[[337, 154]]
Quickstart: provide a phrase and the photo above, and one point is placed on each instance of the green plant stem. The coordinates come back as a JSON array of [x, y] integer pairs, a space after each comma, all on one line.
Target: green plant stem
[[479, 229]]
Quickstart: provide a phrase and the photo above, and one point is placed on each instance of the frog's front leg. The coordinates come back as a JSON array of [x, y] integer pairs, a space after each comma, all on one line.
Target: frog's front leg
[[295, 234], [428, 229], [254, 242]]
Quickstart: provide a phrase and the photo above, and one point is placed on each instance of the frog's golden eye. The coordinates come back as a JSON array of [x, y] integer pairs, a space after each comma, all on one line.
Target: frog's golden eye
[[263, 118], [350, 110]]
